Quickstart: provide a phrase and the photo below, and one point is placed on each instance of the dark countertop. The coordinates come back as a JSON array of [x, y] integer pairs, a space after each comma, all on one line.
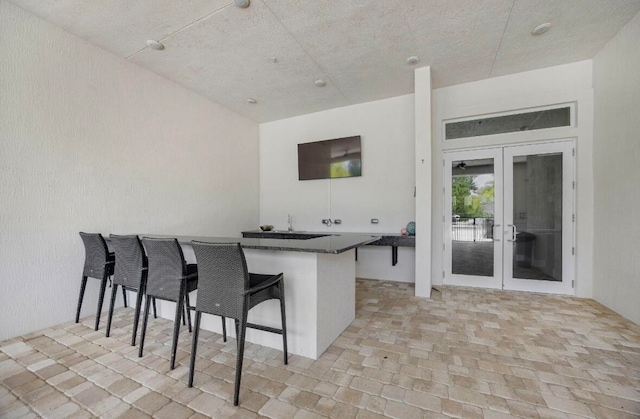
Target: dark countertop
[[395, 240], [335, 243], [384, 239]]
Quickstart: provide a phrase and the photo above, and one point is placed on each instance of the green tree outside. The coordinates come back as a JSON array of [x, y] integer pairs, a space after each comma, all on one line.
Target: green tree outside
[[468, 200]]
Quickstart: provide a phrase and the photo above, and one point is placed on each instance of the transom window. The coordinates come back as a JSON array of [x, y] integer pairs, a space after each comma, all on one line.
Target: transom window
[[514, 122]]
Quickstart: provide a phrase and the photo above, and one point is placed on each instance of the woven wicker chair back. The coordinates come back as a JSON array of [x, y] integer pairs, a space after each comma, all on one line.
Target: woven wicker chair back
[[130, 260], [96, 254], [166, 268], [223, 278]]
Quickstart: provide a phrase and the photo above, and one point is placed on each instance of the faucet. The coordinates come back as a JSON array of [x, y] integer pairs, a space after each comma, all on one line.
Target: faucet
[[290, 221]]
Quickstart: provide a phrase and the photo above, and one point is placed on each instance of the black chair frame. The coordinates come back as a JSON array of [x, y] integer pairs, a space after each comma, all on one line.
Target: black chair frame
[[131, 274], [98, 264], [225, 262], [170, 279]]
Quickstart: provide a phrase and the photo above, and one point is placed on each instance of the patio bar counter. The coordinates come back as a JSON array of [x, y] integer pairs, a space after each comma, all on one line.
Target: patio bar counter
[[319, 276]]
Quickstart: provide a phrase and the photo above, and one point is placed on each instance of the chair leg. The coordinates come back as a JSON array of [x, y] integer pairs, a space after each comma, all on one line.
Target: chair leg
[[103, 288], [143, 332], [284, 324], [188, 311], [124, 296], [224, 329], [176, 328], [136, 317], [112, 303], [184, 316], [155, 311], [194, 347], [239, 358], [83, 285]]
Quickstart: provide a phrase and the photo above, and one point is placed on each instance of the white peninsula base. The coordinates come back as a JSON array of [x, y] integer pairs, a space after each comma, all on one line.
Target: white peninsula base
[[319, 293]]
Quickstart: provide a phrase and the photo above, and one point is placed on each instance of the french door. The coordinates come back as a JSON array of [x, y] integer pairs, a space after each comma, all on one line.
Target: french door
[[509, 218]]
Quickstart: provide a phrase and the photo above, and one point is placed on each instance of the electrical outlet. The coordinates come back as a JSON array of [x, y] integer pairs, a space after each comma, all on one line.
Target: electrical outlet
[[374, 221]]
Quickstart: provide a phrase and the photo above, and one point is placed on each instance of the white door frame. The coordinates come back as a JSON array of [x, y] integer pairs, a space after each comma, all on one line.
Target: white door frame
[[469, 280], [503, 215], [568, 263]]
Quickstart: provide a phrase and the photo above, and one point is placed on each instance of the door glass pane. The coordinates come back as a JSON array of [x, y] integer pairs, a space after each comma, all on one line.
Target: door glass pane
[[537, 217], [472, 204]]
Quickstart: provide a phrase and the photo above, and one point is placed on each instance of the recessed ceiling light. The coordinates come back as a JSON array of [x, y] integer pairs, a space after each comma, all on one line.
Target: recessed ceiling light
[[242, 3], [413, 60], [320, 83], [153, 44], [540, 29], [251, 101]]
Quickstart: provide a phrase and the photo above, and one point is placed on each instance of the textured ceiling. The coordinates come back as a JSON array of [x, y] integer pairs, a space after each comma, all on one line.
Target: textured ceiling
[[359, 47]]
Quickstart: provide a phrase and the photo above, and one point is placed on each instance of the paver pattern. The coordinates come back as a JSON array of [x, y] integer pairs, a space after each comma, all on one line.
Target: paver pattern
[[463, 353]]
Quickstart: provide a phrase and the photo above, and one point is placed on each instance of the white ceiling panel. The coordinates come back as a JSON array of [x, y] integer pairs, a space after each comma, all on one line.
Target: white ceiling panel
[[458, 38], [357, 43], [359, 47], [226, 57], [580, 29], [122, 26]]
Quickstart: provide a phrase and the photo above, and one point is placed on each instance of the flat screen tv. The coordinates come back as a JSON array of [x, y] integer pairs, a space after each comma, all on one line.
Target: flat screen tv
[[330, 159]]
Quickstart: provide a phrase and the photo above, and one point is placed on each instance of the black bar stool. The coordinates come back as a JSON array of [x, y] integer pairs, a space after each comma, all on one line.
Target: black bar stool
[[170, 279], [227, 289], [130, 273], [98, 263]]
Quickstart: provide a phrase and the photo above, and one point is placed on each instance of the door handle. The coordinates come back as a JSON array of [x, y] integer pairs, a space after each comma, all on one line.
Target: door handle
[[494, 233], [514, 233]]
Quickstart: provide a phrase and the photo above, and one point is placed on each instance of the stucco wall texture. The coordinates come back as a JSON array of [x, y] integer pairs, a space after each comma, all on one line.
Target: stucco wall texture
[[90, 142], [616, 155]]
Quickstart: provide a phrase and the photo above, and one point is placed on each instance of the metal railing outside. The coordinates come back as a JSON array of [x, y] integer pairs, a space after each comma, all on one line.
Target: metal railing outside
[[472, 229]]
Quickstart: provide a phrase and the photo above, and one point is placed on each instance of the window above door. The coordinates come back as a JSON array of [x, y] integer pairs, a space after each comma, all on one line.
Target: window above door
[[508, 122]]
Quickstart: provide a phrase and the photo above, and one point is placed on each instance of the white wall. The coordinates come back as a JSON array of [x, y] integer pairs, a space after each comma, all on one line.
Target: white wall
[[90, 142], [384, 191], [616, 178], [571, 83]]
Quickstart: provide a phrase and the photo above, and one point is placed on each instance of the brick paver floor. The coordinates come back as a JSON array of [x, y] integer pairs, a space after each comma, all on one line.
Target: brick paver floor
[[463, 353]]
